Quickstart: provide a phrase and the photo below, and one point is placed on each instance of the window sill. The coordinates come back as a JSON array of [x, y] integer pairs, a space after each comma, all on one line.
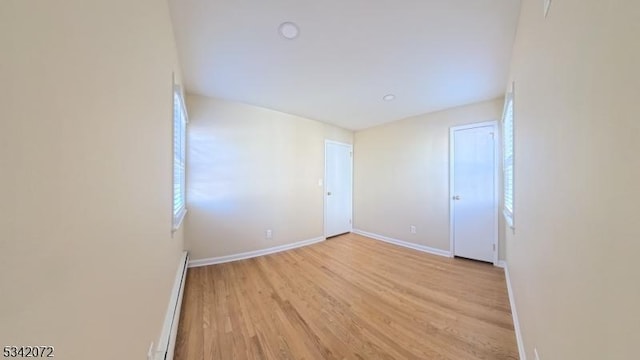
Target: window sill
[[177, 220], [508, 217]]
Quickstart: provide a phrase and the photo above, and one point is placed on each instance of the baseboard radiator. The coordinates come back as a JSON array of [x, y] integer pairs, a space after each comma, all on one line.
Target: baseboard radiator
[[167, 341]]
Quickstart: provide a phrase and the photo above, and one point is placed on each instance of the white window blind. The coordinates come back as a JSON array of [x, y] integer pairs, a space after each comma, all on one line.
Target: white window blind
[[508, 157], [179, 157]]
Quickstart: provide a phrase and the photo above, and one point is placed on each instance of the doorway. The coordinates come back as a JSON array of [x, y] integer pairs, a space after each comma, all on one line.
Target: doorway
[[338, 189], [474, 191]]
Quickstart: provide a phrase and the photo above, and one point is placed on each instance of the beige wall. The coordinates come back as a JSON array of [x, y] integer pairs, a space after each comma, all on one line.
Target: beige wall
[[87, 260], [252, 169], [574, 255], [401, 174]]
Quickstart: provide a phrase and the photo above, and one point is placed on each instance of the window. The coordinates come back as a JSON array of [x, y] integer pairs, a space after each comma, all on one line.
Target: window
[[507, 129], [179, 157]]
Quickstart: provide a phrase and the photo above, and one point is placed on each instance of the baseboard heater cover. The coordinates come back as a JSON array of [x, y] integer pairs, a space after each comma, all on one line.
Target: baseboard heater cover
[[167, 341]]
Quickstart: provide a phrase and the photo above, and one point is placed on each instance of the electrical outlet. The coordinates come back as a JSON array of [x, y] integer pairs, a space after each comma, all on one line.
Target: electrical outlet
[[412, 228], [268, 234], [547, 6], [535, 353]]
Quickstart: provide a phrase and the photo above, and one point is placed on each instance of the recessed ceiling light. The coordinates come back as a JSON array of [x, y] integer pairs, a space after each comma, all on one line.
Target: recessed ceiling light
[[388, 97], [289, 30]]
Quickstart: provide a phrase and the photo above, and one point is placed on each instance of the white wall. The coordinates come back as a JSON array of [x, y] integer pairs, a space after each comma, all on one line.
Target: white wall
[[401, 174], [87, 259], [573, 257], [251, 169]]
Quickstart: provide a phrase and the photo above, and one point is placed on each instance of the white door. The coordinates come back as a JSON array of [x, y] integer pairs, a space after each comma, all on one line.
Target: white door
[[338, 188], [473, 192]]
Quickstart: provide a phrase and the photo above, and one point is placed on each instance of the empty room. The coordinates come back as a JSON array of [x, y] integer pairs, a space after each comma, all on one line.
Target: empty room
[[244, 179]]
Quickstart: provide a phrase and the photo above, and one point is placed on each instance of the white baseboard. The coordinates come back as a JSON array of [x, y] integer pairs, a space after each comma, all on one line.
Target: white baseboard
[[402, 243], [252, 254], [167, 341], [514, 313]]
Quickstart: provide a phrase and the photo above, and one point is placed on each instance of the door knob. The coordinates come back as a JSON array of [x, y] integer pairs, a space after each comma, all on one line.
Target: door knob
[[329, 193], [456, 197]]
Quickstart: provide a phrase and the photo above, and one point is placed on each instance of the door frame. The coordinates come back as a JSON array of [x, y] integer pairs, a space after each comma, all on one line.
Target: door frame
[[496, 153], [324, 184]]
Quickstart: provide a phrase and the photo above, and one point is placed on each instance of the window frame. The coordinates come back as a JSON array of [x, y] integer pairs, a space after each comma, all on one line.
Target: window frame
[[508, 157], [179, 154]]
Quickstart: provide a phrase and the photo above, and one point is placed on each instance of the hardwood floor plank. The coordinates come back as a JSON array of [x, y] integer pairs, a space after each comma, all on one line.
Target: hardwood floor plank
[[349, 297]]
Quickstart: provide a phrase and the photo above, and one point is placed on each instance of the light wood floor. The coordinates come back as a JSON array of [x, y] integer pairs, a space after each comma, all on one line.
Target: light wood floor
[[349, 297]]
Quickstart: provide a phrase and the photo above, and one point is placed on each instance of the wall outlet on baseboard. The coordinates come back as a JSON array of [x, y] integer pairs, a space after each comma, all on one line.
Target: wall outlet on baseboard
[[535, 354], [412, 228], [268, 234]]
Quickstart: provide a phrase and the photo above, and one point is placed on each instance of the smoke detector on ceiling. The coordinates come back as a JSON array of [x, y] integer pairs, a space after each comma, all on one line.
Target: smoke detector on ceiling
[[289, 30]]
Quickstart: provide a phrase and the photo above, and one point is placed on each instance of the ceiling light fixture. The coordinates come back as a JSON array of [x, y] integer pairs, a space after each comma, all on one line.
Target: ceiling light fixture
[[388, 97], [289, 30]]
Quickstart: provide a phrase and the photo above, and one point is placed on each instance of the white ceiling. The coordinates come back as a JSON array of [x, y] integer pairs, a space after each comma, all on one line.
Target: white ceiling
[[432, 54]]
